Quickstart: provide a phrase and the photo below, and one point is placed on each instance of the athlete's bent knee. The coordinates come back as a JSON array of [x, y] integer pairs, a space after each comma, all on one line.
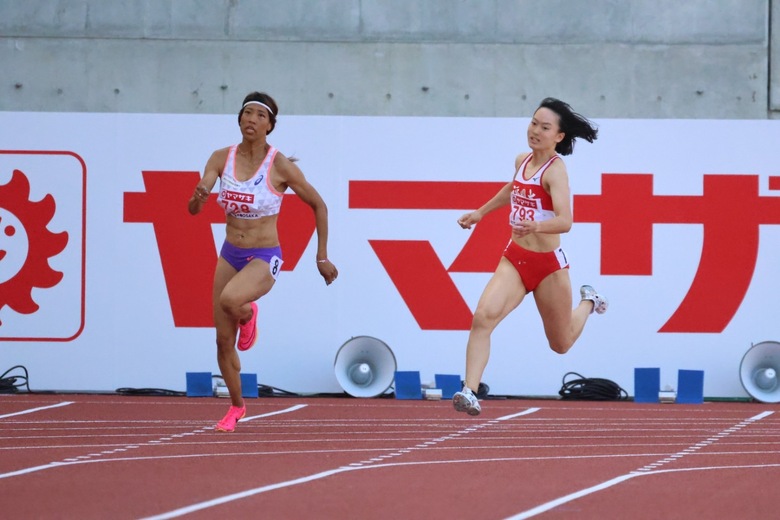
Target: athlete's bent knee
[[560, 347], [230, 306]]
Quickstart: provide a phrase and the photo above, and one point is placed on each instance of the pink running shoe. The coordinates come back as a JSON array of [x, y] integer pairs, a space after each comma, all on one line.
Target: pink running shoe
[[247, 333], [228, 423]]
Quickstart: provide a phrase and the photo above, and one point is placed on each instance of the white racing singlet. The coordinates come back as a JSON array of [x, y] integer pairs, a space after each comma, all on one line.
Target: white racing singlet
[[529, 199], [253, 198]]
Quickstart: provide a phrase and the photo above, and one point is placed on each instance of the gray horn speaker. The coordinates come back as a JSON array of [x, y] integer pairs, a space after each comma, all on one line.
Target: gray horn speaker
[[365, 367], [759, 371]]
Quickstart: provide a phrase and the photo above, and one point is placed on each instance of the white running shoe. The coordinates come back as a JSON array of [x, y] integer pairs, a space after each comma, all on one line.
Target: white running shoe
[[600, 303], [466, 401]]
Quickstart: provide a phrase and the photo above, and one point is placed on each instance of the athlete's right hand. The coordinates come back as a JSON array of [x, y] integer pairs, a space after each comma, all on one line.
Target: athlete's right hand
[[201, 193], [469, 219]]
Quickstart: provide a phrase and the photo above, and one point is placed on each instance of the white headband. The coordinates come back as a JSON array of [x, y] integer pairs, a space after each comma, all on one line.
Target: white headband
[[258, 103]]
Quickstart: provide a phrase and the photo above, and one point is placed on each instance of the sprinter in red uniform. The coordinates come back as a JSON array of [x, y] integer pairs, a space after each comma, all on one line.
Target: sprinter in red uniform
[[533, 260]]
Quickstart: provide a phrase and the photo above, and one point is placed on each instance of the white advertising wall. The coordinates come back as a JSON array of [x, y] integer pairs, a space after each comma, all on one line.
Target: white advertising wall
[[105, 277]]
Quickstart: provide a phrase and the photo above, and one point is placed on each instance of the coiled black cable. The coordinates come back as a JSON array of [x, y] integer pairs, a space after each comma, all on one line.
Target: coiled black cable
[[12, 384], [591, 389]]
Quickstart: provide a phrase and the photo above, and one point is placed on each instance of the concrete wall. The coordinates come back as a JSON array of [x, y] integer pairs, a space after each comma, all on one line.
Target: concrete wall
[[608, 58]]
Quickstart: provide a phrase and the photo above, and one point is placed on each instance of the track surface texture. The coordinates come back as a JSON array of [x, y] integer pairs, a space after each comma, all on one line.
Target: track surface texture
[[109, 456]]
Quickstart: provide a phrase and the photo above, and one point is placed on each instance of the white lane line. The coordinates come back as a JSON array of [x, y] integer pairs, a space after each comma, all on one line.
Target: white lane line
[[573, 496], [269, 414], [519, 414], [679, 455], [365, 464], [33, 469], [31, 410], [528, 514], [646, 470], [80, 459], [360, 450], [238, 496], [432, 443], [760, 416], [604, 485]]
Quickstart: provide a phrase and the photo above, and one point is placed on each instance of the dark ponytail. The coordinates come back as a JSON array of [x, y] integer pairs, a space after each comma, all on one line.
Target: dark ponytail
[[572, 124]]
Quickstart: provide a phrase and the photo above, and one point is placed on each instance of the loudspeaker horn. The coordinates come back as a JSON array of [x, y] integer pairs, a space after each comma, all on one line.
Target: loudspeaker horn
[[365, 367], [759, 371]]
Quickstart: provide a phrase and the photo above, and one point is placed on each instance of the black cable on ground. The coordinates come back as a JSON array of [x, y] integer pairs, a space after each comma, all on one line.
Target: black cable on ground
[[591, 389], [12, 384], [272, 391], [149, 391]]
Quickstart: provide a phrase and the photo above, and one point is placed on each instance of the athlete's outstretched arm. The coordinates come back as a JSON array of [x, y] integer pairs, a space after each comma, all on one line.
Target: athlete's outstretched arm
[[499, 200]]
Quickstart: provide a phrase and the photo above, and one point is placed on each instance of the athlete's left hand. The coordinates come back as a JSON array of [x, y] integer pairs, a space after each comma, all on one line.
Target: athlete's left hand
[[328, 271], [525, 228]]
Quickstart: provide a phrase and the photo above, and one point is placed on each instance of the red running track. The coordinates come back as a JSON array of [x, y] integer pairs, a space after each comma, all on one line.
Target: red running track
[[105, 456]]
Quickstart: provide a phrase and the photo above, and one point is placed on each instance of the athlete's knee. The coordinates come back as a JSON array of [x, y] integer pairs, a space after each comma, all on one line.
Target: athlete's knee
[[484, 320], [480, 324], [558, 349], [231, 305], [559, 345]]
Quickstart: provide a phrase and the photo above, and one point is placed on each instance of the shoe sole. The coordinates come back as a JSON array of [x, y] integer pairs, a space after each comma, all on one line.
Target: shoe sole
[[600, 307], [462, 404]]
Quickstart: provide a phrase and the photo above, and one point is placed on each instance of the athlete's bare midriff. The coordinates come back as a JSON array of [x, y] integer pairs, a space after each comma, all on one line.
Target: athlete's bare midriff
[[539, 242], [252, 233]]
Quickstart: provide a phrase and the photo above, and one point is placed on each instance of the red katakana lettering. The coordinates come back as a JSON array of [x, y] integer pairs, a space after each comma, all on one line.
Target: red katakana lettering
[[730, 210], [413, 266]]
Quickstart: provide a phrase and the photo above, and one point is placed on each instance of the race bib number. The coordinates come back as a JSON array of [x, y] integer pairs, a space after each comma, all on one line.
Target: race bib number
[[275, 266]]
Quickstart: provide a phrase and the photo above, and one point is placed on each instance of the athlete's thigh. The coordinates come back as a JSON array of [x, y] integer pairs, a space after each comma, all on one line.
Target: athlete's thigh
[[250, 283], [504, 291], [223, 273], [553, 299]]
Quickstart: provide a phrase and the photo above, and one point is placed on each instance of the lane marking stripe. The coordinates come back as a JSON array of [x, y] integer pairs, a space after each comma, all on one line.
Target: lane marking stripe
[[646, 470], [518, 414], [269, 414], [69, 461], [350, 467], [31, 410]]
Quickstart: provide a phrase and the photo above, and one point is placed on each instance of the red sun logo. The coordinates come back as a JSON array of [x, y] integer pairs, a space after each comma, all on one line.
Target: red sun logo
[[26, 245]]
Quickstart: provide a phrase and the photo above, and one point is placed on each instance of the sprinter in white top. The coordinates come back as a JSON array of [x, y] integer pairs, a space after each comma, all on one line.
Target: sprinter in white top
[[253, 198], [253, 177]]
